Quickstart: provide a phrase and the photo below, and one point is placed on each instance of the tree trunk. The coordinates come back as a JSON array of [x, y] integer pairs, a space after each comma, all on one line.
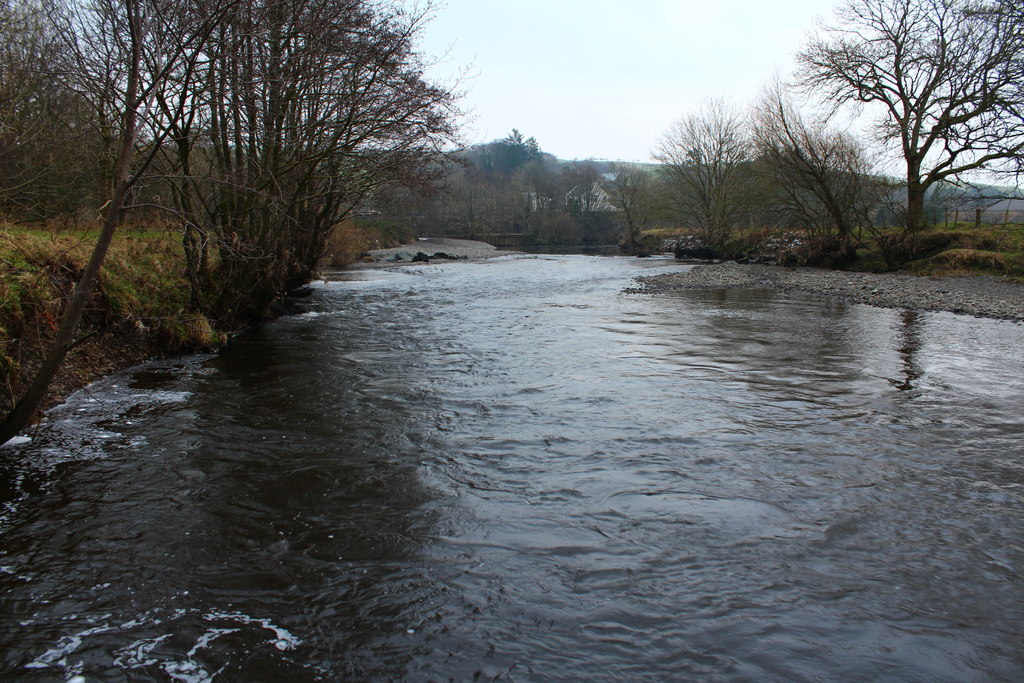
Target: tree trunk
[[915, 207], [30, 401]]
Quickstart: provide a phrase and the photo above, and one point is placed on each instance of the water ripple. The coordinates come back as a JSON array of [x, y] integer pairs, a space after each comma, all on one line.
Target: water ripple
[[509, 470]]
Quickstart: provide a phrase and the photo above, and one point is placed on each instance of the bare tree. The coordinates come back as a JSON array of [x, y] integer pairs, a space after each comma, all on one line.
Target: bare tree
[[706, 157], [309, 108], [947, 74], [121, 51], [480, 202], [585, 199], [633, 193], [43, 152], [818, 178]]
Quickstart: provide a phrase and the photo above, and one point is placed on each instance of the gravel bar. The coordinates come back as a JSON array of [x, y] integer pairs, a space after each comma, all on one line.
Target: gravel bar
[[982, 296], [456, 249]]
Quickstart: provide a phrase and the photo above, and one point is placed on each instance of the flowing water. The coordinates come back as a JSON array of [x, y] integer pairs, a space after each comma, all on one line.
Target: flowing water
[[510, 470]]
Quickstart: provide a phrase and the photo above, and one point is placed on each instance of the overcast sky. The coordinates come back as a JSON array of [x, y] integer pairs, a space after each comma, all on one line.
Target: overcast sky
[[604, 78]]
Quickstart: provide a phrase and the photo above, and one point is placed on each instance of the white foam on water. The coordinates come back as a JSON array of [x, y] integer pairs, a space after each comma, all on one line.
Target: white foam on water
[[57, 656], [139, 654], [284, 640], [187, 672]]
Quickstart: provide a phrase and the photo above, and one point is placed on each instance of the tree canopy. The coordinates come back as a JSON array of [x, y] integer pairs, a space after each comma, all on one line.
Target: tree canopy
[[947, 75]]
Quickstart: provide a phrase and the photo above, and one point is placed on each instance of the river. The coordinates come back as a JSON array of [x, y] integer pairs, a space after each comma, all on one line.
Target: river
[[510, 470]]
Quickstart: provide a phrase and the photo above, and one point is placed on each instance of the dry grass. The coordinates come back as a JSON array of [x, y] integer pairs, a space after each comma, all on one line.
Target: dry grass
[[141, 301], [353, 238]]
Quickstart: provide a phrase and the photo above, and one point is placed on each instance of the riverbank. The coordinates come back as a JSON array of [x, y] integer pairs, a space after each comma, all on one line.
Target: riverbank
[[981, 296], [140, 308]]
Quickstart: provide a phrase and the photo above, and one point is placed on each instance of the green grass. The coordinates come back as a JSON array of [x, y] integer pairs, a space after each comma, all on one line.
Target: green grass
[[142, 280], [962, 249]]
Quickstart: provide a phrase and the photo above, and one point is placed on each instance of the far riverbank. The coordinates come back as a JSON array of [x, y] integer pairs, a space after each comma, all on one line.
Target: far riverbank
[[434, 248], [982, 296]]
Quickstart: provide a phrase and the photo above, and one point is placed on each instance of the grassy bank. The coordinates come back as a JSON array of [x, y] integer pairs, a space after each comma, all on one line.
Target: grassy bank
[[963, 249], [140, 307]]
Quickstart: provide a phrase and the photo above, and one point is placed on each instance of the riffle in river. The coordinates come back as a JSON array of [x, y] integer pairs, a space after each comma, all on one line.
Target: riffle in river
[[512, 470]]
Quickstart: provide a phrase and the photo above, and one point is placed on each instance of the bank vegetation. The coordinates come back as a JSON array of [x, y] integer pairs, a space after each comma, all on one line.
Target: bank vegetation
[[253, 129]]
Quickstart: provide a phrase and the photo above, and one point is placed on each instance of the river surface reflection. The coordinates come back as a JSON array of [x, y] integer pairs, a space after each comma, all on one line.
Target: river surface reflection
[[510, 470]]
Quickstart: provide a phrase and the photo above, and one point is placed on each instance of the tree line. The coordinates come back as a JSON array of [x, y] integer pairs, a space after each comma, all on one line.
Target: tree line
[[258, 125], [512, 186]]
